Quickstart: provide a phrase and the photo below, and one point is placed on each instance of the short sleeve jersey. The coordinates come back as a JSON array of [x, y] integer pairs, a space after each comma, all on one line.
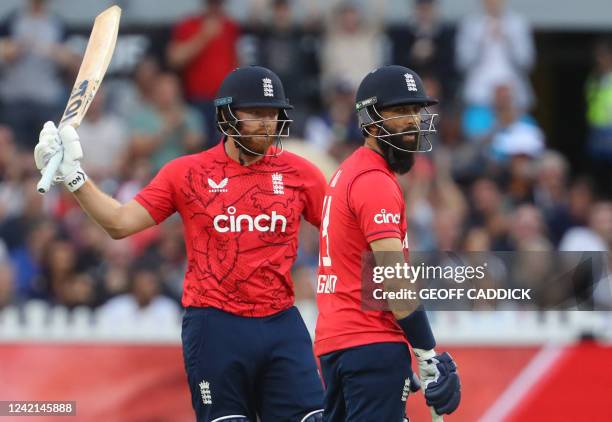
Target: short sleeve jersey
[[241, 225], [205, 72], [363, 203]]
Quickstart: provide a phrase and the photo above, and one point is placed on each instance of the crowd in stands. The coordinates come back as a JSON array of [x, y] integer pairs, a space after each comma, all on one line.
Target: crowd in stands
[[491, 183]]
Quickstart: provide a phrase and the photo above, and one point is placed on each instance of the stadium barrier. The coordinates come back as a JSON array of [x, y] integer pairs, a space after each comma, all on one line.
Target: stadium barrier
[[38, 321]]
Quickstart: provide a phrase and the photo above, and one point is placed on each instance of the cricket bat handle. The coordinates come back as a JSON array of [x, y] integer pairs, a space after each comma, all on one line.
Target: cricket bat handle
[[49, 171], [434, 416]]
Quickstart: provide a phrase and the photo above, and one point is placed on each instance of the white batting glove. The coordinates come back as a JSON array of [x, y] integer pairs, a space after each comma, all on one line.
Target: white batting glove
[[52, 141], [48, 145], [428, 372], [439, 380]]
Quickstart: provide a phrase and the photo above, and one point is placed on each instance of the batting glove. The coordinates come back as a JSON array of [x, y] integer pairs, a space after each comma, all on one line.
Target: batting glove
[[53, 141], [440, 380]]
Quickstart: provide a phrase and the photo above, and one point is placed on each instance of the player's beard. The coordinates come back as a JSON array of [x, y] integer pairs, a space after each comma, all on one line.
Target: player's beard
[[399, 161], [254, 145]]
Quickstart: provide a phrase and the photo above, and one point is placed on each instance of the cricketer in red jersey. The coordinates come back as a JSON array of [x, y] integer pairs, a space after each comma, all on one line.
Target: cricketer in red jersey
[[248, 354], [352, 220], [364, 354], [203, 50], [241, 225]]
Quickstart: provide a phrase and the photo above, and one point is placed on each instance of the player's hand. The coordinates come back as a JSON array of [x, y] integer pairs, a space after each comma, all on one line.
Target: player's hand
[[66, 140], [48, 145], [10, 50], [415, 383], [440, 380], [211, 27]]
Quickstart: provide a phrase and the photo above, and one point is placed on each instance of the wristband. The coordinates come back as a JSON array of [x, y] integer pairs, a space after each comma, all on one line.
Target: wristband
[[417, 329], [75, 180]]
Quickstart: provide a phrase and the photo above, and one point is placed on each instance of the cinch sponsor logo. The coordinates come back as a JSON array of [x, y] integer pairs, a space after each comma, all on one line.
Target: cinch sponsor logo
[[236, 223], [386, 218]]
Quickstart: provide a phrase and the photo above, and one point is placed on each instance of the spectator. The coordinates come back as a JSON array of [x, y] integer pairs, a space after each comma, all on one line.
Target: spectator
[[599, 113], [351, 47], [131, 96], [31, 58], [28, 256], [290, 51], [447, 226], [601, 221], [14, 229], [89, 239], [114, 268], [426, 45], [588, 268], [203, 49], [7, 285], [59, 271], [477, 240], [336, 130], [520, 180], [167, 130], [143, 305], [138, 174], [168, 250], [597, 236], [468, 160], [11, 176], [533, 265], [599, 102], [515, 144], [79, 289], [550, 193], [435, 203], [104, 139], [494, 47], [581, 199], [503, 112], [7, 152], [528, 231], [489, 210]]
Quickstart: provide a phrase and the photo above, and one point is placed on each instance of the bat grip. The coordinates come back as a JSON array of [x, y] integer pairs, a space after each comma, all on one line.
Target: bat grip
[[48, 172], [434, 416]]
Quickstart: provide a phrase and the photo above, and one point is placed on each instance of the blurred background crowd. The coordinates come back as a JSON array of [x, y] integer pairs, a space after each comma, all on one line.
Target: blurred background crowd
[[521, 160]]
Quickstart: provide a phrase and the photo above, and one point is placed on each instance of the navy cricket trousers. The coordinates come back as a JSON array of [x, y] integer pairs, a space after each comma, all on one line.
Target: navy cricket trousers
[[241, 368], [366, 383]]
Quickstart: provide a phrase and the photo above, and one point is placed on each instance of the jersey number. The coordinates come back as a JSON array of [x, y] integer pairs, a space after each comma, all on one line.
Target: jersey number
[[324, 256]]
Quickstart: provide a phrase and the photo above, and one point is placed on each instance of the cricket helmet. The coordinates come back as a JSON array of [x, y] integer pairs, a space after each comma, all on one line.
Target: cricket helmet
[[390, 86], [251, 87]]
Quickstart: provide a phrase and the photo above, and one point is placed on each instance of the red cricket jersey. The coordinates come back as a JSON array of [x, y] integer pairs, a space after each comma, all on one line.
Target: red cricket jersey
[[204, 74], [241, 225], [363, 203]]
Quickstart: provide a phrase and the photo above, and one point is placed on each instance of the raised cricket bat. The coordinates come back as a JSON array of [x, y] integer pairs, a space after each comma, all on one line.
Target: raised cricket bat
[[97, 56]]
